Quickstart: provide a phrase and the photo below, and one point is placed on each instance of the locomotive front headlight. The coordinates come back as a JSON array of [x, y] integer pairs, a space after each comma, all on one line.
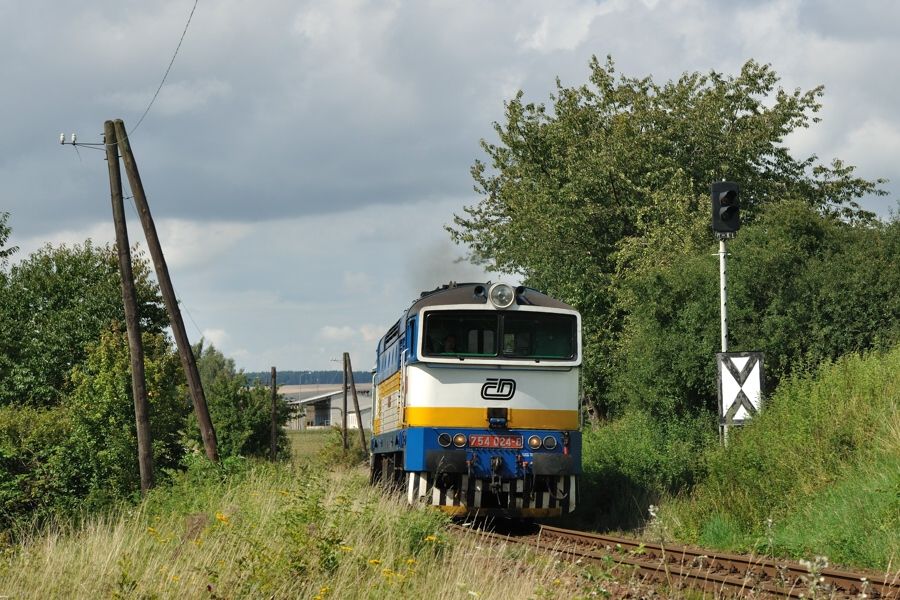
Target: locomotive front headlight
[[501, 295], [459, 440], [549, 442], [444, 439], [534, 442]]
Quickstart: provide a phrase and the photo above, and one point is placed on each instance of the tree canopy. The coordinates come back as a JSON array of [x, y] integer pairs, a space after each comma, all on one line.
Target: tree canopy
[[53, 305], [242, 413], [5, 252], [803, 287], [613, 179]]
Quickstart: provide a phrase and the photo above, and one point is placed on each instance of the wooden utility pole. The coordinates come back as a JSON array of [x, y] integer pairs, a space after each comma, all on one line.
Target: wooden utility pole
[[274, 448], [165, 285], [359, 423], [344, 409], [132, 322]]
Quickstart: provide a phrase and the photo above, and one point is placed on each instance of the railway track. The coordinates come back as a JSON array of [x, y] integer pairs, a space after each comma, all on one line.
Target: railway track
[[721, 573]]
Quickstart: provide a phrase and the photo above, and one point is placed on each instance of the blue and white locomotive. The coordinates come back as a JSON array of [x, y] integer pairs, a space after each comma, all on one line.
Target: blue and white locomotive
[[476, 402]]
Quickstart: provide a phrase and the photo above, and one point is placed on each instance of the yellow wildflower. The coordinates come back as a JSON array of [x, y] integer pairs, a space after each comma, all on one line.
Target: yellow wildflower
[[374, 561], [430, 538], [410, 561], [175, 578], [222, 518], [557, 581], [151, 530], [346, 548], [387, 573]]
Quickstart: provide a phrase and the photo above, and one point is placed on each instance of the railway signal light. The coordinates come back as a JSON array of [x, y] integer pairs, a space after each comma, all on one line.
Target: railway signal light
[[726, 207]]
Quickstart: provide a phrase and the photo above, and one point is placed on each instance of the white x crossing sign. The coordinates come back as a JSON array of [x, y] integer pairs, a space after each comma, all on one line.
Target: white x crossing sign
[[740, 386]]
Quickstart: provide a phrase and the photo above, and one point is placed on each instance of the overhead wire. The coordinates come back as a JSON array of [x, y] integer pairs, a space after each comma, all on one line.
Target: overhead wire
[[101, 146], [169, 68]]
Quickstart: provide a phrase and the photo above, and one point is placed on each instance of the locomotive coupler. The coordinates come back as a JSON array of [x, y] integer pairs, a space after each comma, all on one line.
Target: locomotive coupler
[[527, 475], [496, 465]]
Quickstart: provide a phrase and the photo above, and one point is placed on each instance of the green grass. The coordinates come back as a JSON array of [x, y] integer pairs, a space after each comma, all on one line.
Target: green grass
[[253, 529], [308, 443], [816, 473]]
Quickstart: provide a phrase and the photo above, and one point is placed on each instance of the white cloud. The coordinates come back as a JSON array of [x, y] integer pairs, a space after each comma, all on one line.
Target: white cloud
[[196, 243], [337, 333], [563, 25], [875, 144], [343, 333], [371, 333], [216, 337]]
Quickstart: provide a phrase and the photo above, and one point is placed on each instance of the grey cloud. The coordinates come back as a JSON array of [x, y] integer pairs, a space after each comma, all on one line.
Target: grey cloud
[[343, 141]]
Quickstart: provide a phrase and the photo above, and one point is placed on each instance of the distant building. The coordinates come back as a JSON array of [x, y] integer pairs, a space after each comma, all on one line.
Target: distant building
[[321, 405]]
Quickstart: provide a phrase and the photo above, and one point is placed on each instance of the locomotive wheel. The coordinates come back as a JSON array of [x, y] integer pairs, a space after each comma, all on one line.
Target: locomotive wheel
[[375, 469], [390, 477], [388, 474]]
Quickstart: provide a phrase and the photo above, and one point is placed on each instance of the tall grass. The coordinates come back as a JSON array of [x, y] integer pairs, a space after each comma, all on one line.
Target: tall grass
[[253, 529], [817, 472]]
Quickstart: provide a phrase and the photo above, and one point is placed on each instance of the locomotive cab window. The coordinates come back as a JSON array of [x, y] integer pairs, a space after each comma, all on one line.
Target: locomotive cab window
[[515, 335], [471, 333], [545, 336]]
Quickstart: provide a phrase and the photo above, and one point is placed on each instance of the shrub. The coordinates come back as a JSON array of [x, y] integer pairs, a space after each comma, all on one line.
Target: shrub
[[633, 461], [241, 415], [32, 452], [804, 288], [816, 469], [102, 414]]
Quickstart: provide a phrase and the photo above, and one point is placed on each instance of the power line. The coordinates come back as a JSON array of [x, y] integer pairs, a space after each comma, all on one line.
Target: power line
[[102, 145], [169, 68]]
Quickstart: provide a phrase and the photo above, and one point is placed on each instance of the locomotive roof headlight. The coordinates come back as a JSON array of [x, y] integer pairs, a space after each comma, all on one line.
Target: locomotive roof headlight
[[549, 442], [502, 295], [444, 439], [534, 442], [459, 440]]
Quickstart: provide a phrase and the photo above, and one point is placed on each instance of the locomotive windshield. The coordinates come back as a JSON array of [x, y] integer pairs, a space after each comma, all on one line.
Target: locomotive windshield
[[485, 334]]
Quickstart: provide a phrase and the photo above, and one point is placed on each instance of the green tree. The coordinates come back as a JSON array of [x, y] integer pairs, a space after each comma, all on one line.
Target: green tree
[[803, 287], [82, 453], [615, 177], [241, 414], [52, 306], [33, 457], [104, 463], [5, 252]]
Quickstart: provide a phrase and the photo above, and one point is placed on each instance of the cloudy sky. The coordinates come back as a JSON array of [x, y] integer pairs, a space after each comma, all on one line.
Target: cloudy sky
[[303, 156]]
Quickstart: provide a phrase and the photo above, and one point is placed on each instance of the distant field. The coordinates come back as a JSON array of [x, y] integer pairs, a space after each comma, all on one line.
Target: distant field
[[306, 444]]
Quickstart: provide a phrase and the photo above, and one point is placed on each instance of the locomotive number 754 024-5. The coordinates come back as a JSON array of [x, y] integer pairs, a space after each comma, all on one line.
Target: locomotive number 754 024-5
[[495, 441]]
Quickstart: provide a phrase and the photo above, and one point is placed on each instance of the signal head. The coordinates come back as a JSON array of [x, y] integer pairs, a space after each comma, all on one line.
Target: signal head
[[726, 209]]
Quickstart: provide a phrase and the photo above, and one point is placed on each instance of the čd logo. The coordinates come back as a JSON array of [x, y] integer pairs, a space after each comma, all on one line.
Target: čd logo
[[498, 389]]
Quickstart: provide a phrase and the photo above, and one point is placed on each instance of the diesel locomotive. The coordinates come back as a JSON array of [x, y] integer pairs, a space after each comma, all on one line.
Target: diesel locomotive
[[476, 402]]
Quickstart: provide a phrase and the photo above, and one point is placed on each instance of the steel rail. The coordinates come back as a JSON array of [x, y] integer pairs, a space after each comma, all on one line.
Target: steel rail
[[717, 571]]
